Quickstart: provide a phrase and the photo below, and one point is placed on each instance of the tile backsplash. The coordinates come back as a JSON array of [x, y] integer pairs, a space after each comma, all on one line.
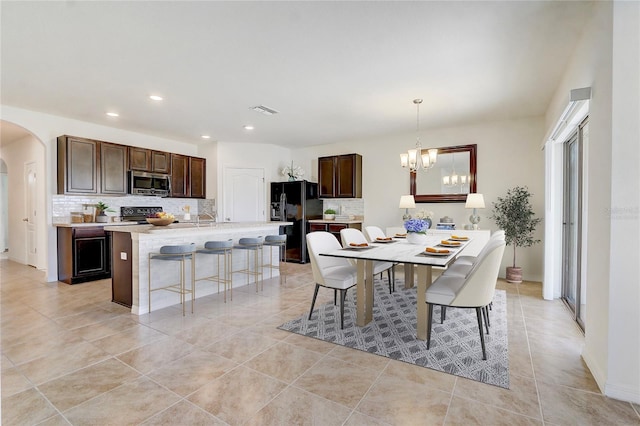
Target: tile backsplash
[[350, 206], [63, 205]]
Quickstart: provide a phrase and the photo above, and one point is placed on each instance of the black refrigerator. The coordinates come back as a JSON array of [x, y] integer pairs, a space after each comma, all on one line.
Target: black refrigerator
[[295, 202]]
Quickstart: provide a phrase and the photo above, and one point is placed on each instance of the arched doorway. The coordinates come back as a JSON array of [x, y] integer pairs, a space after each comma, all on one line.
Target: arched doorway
[[26, 241]]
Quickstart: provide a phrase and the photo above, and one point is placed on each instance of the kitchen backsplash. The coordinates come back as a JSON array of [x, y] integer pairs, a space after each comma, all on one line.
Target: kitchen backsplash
[[63, 205], [350, 206]]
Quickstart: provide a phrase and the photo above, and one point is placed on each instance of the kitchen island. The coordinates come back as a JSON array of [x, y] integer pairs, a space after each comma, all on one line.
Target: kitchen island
[[132, 244]]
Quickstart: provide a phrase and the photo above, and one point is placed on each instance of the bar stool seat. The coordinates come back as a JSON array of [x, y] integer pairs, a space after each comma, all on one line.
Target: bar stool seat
[[279, 241], [175, 253], [255, 245], [223, 251]]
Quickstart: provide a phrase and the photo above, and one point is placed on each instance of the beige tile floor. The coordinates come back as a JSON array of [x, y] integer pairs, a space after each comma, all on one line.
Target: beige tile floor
[[70, 356]]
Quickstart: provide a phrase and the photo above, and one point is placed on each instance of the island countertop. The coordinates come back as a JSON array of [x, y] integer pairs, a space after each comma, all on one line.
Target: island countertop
[[131, 246]]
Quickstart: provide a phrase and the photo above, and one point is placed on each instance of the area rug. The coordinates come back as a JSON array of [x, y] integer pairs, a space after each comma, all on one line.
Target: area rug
[[455, 345]]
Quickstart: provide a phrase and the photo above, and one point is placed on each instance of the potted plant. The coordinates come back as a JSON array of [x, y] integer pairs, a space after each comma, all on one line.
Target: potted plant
[[417, 230], [514, 214], [100, 209], [329, 214]]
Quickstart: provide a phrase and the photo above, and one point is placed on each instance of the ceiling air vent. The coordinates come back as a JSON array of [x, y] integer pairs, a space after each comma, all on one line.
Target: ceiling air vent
[[264, 110]]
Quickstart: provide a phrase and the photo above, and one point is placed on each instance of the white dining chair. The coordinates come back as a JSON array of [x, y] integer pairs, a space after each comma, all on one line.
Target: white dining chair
[[373, 232], [355, 236], [330, 272], [474, 291], [470, 260]]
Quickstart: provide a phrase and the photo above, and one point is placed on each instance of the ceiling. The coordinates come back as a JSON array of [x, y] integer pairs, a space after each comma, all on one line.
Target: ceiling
[[335, 71]]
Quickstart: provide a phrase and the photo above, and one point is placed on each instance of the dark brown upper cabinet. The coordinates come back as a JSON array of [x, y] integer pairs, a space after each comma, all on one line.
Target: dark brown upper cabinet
[[340, 176], [179, 176], [78, 165], [113, 168], [148, 160], [197, 177]]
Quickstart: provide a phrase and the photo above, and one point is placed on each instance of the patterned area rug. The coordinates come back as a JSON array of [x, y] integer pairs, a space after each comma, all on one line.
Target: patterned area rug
[[455, 345]]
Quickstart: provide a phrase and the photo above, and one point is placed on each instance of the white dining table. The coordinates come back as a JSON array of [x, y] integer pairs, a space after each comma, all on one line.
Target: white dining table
[[397, 251]]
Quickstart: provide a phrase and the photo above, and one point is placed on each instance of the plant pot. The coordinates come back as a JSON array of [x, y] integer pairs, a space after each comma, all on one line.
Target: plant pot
[[102, 218], [514, 274], [417, 238], [329, 216]]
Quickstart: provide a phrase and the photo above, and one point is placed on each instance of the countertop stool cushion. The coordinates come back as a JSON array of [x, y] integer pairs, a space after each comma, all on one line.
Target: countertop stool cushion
[[279, 241], [176, 253], [223, 251], [254, 244]]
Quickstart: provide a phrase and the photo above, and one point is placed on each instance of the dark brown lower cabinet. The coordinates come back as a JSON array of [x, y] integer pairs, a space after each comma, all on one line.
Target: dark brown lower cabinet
[[121, 285], [333, 228], [84, 254]]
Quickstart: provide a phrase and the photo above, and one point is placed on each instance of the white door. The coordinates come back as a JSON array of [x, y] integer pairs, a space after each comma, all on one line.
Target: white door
[[30, 213], [244, 195]]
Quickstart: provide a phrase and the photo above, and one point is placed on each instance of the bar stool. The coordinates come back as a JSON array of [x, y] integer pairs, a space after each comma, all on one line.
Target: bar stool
[[223, 251], [252, 245], [178, 253], [279, 241]]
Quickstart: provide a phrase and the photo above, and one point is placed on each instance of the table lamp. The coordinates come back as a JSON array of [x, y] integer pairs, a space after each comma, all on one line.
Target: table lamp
[[407, 202], [474, 201]]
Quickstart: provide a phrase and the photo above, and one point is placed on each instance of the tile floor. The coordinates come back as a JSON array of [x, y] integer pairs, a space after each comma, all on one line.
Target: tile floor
[[70, 356]]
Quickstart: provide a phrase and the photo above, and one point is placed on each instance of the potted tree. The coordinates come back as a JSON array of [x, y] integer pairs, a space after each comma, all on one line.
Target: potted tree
[[514, 214]]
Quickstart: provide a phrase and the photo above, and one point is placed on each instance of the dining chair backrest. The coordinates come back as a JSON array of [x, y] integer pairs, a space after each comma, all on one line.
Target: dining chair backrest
[[323, 242], [480, 284], [351, 235], [373, 232], [499, 234]]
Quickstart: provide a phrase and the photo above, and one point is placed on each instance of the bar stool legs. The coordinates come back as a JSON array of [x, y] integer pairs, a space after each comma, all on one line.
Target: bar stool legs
[[180, 253], [279, 241], [252, 246], [223, 251]]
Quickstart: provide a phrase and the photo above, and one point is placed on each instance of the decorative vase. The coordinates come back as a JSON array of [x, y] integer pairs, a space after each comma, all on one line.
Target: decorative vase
[[514, 274], [416, 238], [428, 220], [292, 178]]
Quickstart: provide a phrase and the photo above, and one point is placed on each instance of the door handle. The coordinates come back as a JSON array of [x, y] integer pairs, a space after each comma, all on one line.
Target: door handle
[[26, 219]]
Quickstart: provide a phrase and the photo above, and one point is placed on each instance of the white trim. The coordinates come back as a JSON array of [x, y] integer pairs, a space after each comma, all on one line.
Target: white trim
[[598, 373]]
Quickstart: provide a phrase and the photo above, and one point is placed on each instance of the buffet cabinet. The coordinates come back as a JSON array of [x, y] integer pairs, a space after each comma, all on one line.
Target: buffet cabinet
[[84, 254], [334, 227]]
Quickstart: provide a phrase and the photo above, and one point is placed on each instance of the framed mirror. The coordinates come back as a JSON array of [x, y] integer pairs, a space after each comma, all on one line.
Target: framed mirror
[[450, 180]]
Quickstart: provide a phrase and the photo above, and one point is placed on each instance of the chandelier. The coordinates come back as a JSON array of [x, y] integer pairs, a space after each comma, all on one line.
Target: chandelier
[[416, 159], [454, 178]]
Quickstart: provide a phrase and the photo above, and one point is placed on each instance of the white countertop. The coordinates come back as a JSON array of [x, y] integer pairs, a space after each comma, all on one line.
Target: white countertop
[[335, 221], [189, 227], [92, 224]]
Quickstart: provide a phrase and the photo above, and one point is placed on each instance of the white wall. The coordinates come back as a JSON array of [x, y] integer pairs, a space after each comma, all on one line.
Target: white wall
[[606, 59], [16, 155], [508, 155], [4, 206]]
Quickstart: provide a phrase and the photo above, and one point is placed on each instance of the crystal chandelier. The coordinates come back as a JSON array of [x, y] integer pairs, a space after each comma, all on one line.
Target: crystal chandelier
[[416, 159]]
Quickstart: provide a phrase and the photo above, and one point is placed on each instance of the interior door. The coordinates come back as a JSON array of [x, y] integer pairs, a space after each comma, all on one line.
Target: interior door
[[30, 213], [244, 195]]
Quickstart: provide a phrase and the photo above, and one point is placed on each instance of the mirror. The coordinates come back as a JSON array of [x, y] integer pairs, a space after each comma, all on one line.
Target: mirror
[[450, 180]]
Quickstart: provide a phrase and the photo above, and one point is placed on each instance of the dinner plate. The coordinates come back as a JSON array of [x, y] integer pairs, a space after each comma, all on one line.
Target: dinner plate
[[426, 253], [445, 244], [383, 241], [459, 238], [400, 236], [357, 248]]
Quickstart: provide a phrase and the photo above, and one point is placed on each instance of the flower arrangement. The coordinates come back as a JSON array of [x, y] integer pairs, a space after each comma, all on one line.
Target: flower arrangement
[[294, 173], [418, 226], [423, 214]]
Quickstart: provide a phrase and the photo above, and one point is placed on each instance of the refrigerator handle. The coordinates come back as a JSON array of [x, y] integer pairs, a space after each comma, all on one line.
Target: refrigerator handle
[[283, 206]]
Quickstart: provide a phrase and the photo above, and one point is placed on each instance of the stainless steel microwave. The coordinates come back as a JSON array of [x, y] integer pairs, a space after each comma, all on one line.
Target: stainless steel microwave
[[143, 183]]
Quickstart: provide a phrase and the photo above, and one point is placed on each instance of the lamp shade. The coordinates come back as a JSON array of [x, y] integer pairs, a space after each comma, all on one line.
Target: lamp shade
[[474, 201], [407, 202]]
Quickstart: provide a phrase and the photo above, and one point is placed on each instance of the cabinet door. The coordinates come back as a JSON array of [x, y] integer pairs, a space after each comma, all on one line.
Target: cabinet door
[[160, 162], [77, 165], [139, 159], [348, 176], [90, 256], [197, 177], [326, 177], [313, 227], [179, 176], [113, 168]]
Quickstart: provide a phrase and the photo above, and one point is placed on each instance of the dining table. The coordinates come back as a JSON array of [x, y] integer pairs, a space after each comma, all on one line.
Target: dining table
[[413, 256]]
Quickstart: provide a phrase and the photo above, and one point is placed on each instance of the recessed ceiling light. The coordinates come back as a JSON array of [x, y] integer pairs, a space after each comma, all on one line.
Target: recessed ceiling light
[[155, 97], [248, 127], [206, 137], [113, 114]]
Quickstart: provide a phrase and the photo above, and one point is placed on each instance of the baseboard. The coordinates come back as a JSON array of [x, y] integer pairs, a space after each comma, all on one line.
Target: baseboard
[[622, 393], [598, 374]]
